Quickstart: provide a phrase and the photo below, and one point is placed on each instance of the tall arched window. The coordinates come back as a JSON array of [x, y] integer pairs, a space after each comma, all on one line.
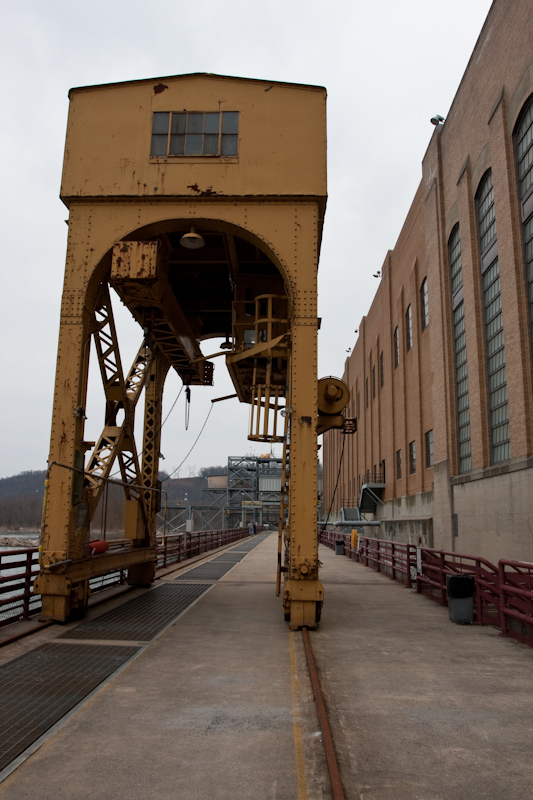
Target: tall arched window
[[424, 304], [409, 327], [524, 157], [494, 339], [459, 338]]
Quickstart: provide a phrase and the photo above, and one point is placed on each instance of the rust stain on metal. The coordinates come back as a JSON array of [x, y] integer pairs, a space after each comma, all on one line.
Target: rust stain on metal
[[209, 192]]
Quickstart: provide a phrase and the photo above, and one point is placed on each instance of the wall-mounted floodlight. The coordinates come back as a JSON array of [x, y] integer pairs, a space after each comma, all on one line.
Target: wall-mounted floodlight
[[437, 119]]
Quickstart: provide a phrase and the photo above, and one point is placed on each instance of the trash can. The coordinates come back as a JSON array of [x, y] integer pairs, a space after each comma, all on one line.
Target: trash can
[[339, 547], [460, 592]]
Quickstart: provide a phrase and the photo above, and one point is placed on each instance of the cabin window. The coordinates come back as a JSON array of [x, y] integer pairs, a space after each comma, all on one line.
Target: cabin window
[[194, 133]]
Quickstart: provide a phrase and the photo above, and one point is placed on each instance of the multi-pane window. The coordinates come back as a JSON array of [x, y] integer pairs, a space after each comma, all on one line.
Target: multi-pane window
[[492, 303], [398, 464], [373, 381], [193, 133], [459, 338], [424, 304], [409, 327], [524, 155], [429, 449], [396, 347], [381, 370], [412, 458]]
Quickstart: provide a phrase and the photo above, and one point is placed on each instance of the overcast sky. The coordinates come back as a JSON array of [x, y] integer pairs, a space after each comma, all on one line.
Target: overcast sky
[[388, 66]]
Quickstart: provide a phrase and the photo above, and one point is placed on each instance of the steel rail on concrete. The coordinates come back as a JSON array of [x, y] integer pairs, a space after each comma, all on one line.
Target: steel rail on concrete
[[331, 758]]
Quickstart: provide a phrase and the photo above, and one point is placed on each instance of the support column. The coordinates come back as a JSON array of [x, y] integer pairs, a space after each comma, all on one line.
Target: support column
[[66, 517], [303, 592]]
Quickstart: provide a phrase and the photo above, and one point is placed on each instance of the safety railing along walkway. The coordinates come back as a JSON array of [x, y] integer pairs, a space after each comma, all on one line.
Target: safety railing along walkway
[[503, 594], [18, 568]]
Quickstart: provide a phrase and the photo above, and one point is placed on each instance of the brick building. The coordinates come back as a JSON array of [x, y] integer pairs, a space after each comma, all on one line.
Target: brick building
[[441, 374]]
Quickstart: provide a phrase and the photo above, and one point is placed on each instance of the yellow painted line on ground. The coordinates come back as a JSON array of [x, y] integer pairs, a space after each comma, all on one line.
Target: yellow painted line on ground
[[297, 728]]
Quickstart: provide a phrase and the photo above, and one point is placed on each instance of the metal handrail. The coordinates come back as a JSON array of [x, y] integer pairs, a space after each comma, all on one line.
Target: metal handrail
[[516, 599], [503, 594]]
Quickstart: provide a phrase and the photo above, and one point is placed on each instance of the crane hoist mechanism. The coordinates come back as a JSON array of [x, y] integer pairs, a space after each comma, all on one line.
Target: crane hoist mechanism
[[207, 223]]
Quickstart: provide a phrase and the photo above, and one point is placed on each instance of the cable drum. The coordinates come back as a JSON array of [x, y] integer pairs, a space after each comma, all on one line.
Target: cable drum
[[333, 395]]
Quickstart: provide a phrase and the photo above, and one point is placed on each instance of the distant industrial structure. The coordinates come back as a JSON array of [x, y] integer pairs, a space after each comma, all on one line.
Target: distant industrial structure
[[249, 492]]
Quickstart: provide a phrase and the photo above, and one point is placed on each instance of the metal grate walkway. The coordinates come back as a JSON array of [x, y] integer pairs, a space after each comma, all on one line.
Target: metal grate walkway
[[207, 572], [40, 687], [229, 558], [220, 565], [140, 619]]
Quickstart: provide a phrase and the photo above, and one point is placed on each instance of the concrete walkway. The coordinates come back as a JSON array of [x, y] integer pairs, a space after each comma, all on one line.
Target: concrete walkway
[[420, 707], [219, 707]]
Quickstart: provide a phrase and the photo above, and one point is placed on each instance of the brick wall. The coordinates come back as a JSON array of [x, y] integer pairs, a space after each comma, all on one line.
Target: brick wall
[[419, 395]]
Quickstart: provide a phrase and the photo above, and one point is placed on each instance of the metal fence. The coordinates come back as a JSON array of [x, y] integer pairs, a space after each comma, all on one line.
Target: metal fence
[[503, 594], [178, 547], [433, 566], [18, 568], [516, 605]]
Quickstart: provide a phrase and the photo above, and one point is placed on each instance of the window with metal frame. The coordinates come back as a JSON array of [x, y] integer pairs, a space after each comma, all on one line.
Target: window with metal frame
[[459, 339], [412, 458], [524, 159], [424, 304], [398, 464], [494, 338], [396, 348], [409, 327], [429, 449], [194, 133], [381, 370]]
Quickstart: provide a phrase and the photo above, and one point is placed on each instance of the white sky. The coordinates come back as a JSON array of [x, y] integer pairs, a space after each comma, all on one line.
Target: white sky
[[388, 67]]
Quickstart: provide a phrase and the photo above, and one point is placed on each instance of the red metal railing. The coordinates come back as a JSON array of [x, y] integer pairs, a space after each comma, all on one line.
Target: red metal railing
[[395, 559], [503, 594], [179, 546], [516, 600], [18, 568], [433, 567]]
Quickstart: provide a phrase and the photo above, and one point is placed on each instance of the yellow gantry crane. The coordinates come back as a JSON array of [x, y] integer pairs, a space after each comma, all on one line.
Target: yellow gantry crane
[[200, 200]]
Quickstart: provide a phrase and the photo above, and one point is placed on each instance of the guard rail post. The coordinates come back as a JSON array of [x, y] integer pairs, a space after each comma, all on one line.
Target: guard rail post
[[443, 595], [27, 586], [503, 615]]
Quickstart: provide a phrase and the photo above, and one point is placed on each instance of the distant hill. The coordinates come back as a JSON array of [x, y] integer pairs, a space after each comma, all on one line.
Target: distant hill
[[23, 484], [21, 496], [21, 500]]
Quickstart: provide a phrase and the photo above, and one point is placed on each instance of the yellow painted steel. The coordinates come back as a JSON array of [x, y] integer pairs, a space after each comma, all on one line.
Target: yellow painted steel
[[260, 213]]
